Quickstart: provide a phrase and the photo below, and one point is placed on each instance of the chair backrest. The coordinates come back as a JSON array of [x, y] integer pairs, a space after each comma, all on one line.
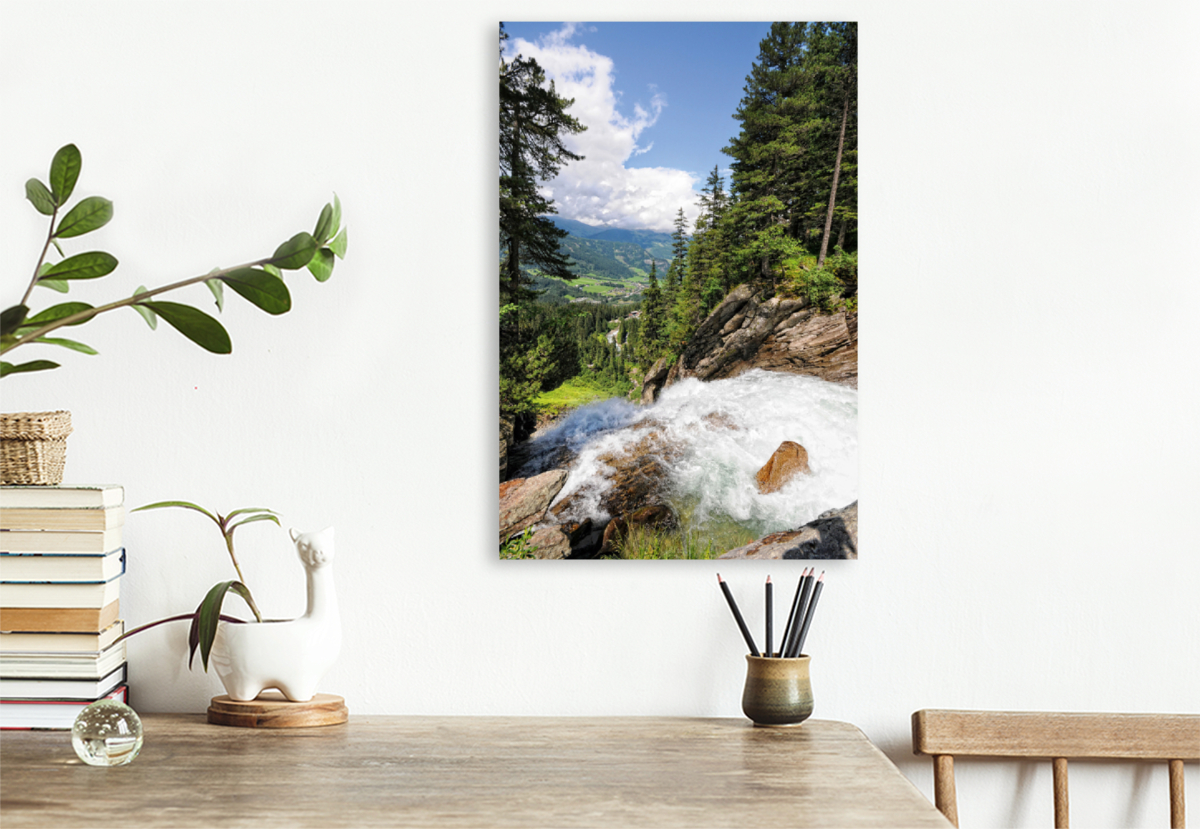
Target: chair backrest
[[944, 735]]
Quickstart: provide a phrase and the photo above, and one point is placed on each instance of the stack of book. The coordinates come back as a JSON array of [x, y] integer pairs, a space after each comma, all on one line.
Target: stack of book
[[61, 562]]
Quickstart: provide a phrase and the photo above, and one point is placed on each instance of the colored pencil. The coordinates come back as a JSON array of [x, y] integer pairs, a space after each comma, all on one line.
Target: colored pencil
[[808, 616], [791, 650], [791, 622], [770, 613], [737, 615]]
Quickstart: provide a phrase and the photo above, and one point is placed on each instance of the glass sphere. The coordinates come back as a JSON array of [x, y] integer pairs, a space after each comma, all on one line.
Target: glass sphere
[[107, 733]]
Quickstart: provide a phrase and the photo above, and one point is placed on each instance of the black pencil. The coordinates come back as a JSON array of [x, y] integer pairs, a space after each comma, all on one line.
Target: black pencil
[[805, 588], [737, 615], [808, 616], [770, 613], [791, 622]]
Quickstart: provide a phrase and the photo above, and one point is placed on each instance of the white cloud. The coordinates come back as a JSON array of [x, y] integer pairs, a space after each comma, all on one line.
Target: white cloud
[[601, 190]]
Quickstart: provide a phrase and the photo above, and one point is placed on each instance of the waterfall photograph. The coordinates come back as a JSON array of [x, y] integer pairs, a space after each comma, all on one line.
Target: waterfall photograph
[[678, 290]]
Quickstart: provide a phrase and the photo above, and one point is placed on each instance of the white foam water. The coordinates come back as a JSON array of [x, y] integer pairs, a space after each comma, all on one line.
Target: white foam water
[[725, 431]]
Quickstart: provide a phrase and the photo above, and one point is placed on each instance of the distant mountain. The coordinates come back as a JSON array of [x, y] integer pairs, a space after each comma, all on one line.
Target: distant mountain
[[612, 263], [583, 231], [644, 238]]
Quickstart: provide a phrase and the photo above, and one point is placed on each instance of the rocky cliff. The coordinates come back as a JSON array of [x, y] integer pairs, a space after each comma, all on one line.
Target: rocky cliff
[[777, 334]]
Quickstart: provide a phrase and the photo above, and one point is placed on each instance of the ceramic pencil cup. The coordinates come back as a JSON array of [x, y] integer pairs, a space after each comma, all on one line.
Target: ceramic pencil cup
[[778, 691]]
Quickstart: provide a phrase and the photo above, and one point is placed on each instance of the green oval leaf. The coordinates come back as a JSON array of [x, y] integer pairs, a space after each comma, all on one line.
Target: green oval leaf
[[145, 313], [89, 265], [60, 285], [218, 292], [64, 172], [321, 264], [337, 213], [338, 245], [208, 615], [65, 343], [261, 288], [325, 227], [39, 195], [90, 214], [36, 365], [194, 324], [271, 269], [57, 312], [11, 319], [295, 253]]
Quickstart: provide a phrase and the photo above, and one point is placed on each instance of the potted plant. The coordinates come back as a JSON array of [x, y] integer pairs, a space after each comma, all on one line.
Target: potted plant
[[249, 657], [34, 444]]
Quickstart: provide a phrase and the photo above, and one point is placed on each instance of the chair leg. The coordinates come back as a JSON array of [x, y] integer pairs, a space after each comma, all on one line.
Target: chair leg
[[1062, 808], [943, 787], [1178, 821]]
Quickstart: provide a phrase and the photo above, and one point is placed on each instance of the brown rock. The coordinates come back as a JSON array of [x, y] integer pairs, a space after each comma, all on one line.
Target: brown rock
[[832, 535], [656, 377], [720, 420], [779, 334], [550, 543], [789, 460], [523, 501], [639, 476]]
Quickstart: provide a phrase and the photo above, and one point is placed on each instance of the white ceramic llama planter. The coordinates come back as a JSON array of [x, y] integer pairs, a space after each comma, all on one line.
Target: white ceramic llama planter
[[291, 655]]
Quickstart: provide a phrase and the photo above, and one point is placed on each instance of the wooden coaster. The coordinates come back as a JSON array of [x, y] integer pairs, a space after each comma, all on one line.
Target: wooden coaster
[[271, 709]]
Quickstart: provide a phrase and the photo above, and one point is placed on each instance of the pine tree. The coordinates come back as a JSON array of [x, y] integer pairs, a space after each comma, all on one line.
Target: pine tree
[[839, 48], [533, 124], [651, 329]]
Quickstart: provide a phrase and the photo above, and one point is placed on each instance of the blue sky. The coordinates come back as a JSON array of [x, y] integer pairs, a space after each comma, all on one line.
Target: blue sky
[[658, 101]]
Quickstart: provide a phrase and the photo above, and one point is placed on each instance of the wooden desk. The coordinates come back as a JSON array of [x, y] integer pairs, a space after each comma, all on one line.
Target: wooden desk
[[466, 771]]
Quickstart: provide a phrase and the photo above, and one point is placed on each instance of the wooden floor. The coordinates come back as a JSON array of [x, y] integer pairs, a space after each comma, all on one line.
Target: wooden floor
[[466, 771]]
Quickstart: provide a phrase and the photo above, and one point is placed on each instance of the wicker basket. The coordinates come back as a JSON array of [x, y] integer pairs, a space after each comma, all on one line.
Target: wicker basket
[[33, 447]]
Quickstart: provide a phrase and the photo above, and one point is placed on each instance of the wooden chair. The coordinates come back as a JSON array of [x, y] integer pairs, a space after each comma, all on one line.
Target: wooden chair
[[945, 735]]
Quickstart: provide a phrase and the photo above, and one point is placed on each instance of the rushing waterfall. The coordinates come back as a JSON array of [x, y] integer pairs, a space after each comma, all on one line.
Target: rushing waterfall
[[720, 433]]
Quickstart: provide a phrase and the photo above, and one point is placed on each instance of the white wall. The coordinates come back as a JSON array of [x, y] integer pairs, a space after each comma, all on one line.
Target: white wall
[[1030, 351]]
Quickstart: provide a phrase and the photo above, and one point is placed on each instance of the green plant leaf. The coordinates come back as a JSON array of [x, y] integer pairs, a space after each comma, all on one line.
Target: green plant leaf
[[321, 264], [65, 343], [245, 510], [266, 291], [325, 227], [337, 214], [181, 504], [11, 319], [56, 312], [89, 265], [39, 195], [295, 252], [90, 214], [64, 172], [60, 285], [271, 269], [338, 245], [218, 291], [194, 324], [36, 365], [149, 316], [251, 520], [208, 615]]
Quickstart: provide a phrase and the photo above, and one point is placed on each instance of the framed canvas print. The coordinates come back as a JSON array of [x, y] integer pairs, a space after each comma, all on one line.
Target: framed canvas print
[[678, 290]]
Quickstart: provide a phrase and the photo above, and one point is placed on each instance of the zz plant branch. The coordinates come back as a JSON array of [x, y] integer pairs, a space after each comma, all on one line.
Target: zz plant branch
[[259, 281]]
